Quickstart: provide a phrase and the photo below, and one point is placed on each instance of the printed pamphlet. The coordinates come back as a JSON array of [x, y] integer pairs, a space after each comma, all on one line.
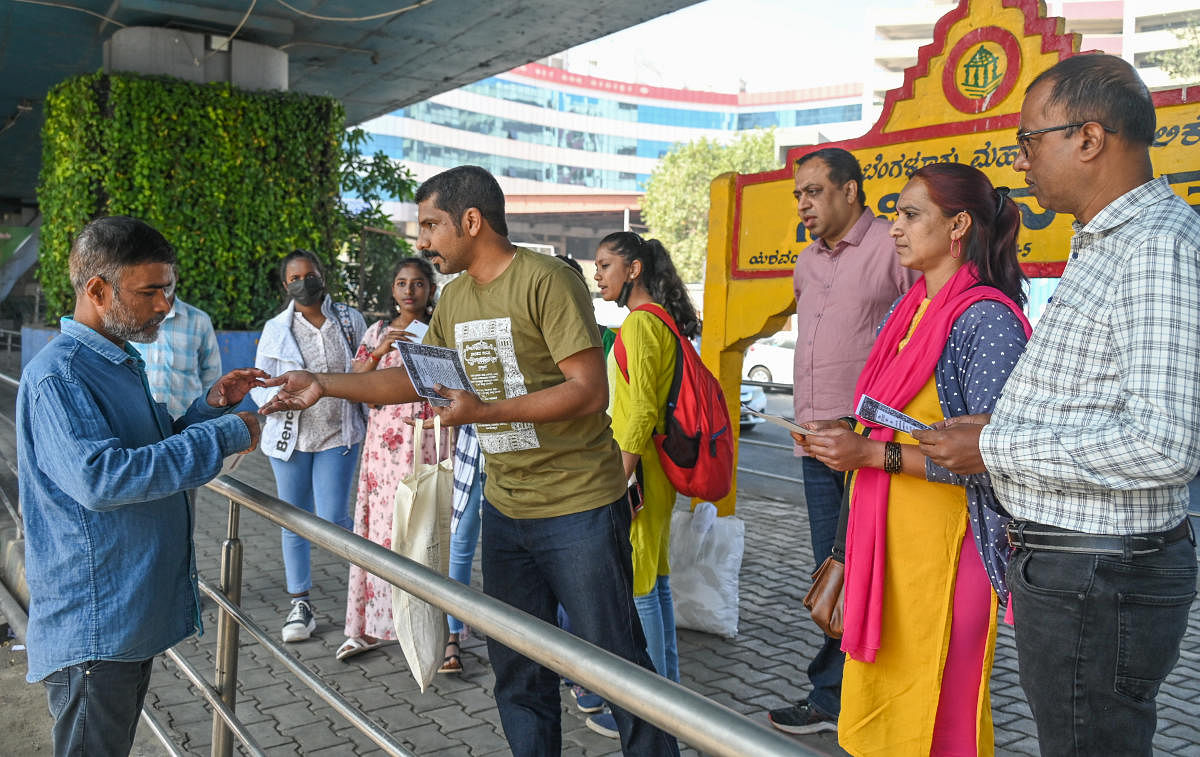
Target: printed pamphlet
[[873, 410], [428, 365]]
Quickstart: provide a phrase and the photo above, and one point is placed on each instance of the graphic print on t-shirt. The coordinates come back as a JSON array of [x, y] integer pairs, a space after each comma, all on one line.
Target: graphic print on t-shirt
[[487, 351]]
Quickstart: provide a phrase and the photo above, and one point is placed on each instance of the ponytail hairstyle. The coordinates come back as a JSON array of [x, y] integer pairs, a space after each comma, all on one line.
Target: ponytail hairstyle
[[658, 276], [991, 242], [426, 269]]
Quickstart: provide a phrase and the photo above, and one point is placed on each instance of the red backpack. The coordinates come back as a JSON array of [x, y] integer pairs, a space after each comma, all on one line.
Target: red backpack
[[696, 451]]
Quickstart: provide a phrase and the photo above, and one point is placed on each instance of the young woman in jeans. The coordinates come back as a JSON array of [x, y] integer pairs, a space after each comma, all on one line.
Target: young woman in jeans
[[633, 271], [312, 452]]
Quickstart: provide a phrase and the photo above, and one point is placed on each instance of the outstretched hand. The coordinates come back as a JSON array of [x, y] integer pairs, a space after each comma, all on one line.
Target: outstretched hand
[[233, 387], [297, 390]]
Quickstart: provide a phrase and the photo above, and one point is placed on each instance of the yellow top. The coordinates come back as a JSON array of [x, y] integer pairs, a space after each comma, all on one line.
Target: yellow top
[[637, 407], [889, 707]]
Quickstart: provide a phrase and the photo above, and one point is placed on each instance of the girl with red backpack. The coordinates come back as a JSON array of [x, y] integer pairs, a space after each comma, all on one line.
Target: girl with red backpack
[[634, 272]]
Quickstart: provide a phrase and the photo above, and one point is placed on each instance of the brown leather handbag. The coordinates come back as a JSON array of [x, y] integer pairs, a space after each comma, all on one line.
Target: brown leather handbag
[[826, 599]]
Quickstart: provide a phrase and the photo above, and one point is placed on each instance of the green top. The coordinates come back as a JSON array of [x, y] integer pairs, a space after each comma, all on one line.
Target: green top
[[511, 333], [638, 409]]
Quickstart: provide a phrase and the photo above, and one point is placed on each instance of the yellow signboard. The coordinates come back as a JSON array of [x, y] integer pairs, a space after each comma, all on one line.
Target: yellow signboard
[[960, 102]]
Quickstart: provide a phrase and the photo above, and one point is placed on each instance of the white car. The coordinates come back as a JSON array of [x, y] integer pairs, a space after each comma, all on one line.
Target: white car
[[770, 360], [754, 398]]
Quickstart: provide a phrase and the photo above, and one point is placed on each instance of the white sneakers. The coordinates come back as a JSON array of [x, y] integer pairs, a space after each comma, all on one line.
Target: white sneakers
[[300, 622]]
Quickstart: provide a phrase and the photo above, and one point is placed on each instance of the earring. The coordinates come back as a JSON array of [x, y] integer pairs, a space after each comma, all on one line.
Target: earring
[[956, 248]]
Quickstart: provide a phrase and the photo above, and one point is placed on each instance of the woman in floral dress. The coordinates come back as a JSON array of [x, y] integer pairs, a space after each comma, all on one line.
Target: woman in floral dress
[[387, 455]]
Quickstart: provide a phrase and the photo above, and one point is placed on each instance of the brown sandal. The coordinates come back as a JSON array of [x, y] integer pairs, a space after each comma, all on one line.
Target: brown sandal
[[452, 663]]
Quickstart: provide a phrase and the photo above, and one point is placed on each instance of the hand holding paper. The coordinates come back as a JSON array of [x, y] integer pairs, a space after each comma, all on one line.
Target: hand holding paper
[[432, 367], [955, 446], [873, 410]]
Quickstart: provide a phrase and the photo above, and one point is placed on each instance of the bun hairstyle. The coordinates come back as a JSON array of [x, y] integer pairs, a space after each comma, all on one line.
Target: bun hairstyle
[[658, 276], [991, 242]]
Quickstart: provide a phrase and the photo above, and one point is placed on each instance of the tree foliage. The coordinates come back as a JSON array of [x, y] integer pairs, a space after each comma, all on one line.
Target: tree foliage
[[1183, 63], [371, 244], [675, 206]]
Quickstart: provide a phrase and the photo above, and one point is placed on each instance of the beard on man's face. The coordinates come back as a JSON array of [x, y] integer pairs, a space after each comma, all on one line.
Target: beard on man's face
[[121, 323]]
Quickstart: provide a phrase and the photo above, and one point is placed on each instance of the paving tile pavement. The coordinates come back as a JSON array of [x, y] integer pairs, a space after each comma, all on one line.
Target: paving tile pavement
[[760, 669]]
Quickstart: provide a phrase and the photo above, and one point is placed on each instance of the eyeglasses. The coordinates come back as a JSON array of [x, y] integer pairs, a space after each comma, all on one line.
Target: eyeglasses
[[1024, 141]]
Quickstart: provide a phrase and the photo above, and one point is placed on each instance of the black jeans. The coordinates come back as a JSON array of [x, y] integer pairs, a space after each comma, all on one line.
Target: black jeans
[[95, 706], [1096, 635]]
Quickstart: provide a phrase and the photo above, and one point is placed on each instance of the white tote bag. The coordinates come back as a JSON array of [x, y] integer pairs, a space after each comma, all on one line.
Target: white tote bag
[[706, 557], [421, 532]]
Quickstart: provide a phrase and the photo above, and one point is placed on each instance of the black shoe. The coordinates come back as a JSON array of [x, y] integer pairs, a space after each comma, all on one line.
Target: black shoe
[[801, 718]]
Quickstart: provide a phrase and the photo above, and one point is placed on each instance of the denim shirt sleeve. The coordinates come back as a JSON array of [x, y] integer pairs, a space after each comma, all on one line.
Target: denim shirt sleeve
[[200, 411], [80, 451]]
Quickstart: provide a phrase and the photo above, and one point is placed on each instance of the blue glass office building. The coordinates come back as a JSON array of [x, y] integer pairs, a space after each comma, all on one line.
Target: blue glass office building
[[546, 131]]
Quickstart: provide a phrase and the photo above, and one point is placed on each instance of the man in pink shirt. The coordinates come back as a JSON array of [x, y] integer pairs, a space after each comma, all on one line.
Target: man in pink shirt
[[845, 282]]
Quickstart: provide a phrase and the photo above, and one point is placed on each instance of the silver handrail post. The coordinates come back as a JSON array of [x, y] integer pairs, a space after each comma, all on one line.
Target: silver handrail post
[[226, 675]]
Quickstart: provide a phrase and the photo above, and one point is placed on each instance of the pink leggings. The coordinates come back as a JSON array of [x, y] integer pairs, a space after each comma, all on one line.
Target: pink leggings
[[954, 731]]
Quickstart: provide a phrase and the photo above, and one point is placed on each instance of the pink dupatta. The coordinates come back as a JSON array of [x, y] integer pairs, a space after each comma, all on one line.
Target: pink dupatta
[[894, 377]]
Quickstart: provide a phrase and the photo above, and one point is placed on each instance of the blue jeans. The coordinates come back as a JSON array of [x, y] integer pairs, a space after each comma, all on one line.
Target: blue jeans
[[313, 480], [1096, 635], [582, 561], [462, 545], [657, 613], [823, 488], [95, 706]]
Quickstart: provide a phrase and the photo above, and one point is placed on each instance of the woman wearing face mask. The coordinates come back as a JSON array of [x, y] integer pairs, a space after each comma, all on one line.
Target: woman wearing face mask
[[387, 454], [312, 452]]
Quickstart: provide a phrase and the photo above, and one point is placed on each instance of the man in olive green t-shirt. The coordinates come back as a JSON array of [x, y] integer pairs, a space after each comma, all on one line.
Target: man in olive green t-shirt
[[555, 517]]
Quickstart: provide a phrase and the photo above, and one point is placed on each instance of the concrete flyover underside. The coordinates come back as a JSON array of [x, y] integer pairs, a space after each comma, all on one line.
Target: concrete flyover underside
[[363, 52]]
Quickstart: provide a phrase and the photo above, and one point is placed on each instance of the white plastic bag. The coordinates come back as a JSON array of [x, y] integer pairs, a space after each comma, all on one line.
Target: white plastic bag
[[706, 557], [421, 532]]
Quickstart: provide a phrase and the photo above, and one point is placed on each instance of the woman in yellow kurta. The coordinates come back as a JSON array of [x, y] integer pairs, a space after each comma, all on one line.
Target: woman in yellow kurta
[[636, 272], [925, 547]]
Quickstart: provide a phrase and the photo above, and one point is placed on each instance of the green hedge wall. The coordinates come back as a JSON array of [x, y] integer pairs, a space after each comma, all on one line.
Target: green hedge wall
[[233, 179]]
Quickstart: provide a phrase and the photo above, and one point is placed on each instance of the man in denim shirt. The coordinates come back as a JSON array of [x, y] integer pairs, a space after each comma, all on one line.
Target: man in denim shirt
[[105, 476]]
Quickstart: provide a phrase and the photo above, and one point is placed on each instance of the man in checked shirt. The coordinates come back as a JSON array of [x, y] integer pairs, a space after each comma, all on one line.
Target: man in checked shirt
[[1097, 431]]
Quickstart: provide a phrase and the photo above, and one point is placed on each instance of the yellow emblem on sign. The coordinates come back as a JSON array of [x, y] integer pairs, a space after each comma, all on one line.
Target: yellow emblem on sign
[[982, 72], [961, 103]]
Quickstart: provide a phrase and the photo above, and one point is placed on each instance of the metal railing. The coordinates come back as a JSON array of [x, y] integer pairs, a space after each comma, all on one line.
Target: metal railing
[[768, 385], [10, 339], [696, 720]]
